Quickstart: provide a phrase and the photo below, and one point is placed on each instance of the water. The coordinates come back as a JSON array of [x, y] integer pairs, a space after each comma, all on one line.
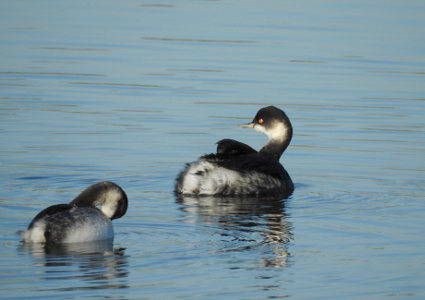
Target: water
[[129, 91]]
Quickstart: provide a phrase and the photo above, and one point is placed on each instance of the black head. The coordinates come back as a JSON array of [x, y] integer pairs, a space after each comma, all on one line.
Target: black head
[[122, 204], [267, 116], [273, 122], [107, 194]]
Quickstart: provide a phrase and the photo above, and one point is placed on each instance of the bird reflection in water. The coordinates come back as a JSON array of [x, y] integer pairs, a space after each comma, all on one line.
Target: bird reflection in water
[[251, 223], [100, 266]]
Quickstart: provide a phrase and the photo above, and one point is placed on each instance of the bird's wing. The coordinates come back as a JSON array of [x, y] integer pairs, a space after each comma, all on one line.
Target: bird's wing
[[231, 147]]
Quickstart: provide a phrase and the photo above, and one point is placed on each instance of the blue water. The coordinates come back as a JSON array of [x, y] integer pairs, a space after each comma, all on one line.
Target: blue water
[[129, 91]]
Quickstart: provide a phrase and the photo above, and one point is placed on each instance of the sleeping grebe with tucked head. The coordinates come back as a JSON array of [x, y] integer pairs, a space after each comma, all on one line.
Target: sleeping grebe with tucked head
[[80, 220], [238, 169]]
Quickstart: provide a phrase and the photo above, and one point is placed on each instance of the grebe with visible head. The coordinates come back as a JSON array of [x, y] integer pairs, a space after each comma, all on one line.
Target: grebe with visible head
[[80, 220], [238, 169]]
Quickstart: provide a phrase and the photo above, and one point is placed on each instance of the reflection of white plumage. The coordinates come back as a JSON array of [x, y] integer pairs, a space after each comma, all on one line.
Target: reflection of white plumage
[[80, 220], [237, 169]]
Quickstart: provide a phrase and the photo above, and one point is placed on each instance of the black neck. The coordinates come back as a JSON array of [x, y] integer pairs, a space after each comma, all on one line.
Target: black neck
[[274, 148]]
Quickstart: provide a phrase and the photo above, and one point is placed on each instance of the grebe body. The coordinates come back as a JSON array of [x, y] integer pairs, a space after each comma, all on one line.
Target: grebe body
[[238, 169], [80, 220]]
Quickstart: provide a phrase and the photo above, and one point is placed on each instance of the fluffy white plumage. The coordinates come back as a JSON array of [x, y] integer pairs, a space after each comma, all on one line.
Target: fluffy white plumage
[[35, 234], [205, 178]]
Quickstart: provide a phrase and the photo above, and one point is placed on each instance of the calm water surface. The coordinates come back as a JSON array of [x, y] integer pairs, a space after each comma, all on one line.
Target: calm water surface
[[129, 91]]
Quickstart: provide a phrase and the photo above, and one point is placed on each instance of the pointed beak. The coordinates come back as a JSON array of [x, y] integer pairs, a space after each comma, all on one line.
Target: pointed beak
[[249, 125]]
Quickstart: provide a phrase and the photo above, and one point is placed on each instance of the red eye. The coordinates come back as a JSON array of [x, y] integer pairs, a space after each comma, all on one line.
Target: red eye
[[260, 121]]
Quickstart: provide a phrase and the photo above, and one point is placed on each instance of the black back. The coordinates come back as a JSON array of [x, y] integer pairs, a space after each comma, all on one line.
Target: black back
[[248, 163], [49, 211]]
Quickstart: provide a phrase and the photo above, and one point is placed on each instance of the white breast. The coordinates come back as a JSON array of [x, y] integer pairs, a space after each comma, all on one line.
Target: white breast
[[95, 228]]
